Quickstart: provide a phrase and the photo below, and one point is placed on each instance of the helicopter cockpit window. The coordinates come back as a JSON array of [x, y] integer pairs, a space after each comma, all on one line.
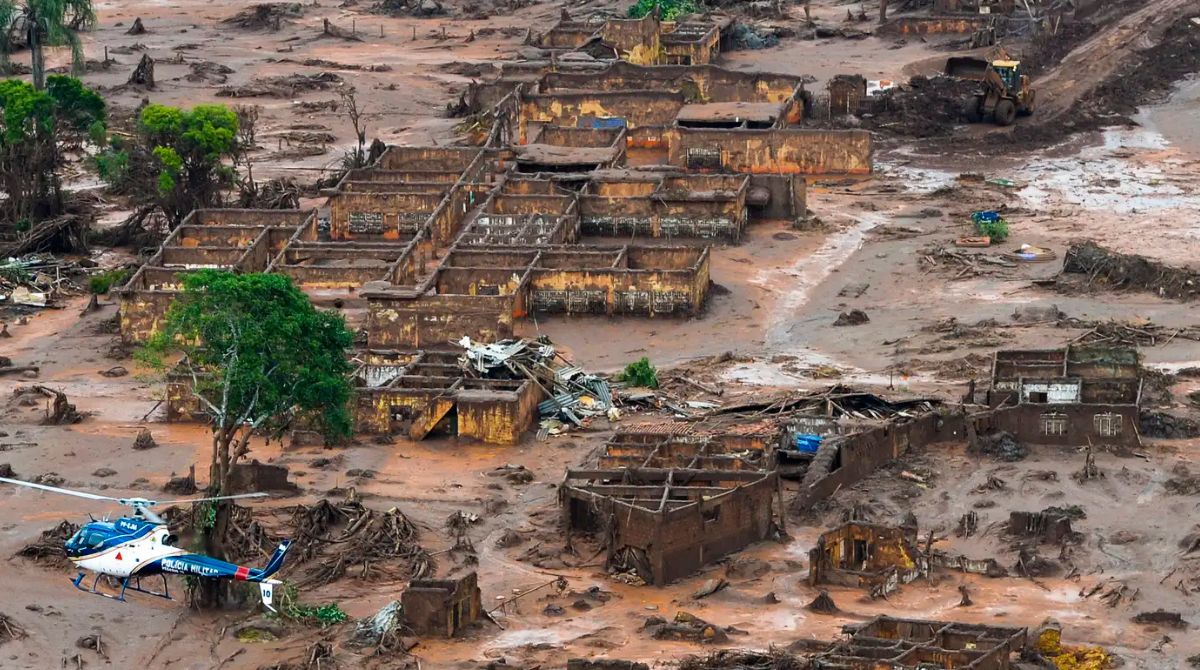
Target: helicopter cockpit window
[[86, 539]]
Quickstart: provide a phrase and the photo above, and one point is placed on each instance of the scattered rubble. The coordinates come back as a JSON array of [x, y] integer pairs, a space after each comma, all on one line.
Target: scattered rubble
[[282, 86], [686, 627], [10, 630], [269, 16], [854, 317], [1104, 268]]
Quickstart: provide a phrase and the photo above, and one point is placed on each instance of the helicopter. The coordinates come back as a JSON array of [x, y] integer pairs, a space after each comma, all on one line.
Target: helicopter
[[137, 546]]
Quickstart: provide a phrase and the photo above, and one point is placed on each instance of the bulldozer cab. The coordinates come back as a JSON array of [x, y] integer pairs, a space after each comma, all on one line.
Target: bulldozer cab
[[1009, 72]]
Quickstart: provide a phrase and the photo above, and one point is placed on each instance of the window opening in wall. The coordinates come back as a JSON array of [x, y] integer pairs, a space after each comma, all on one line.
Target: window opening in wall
[[1107, 425], [699, 158], [711, 514], [1054, 424], [1039, 397]]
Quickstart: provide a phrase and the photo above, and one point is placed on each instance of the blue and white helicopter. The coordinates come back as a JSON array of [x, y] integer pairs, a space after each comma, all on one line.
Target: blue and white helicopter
[[139, 546]]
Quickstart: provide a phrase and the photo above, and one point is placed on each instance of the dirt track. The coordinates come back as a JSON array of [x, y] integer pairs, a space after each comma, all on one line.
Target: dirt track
[[1102, 55]]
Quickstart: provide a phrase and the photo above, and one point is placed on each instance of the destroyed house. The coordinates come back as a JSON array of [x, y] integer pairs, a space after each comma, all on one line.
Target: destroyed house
[[420, 393], [664, 524], [239, 240], [913, 644], [646, 41], [1073, 396], [686, 445], [441, 607], [868, 556]]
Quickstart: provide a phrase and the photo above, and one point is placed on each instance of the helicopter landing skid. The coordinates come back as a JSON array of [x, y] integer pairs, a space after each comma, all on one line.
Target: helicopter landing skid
[[125, 585]]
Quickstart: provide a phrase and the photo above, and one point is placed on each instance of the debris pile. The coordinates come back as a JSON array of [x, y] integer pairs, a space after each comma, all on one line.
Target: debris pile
[[283, 86], [745, 36], [744, 659], [687, 627], [9, 629], [47, 550], [206, 71], [1128, 272], [926, 107], [409, 8], [372, 545], [1002, 446], [266, 16], [961, 264], [37, 281], [575, 396]]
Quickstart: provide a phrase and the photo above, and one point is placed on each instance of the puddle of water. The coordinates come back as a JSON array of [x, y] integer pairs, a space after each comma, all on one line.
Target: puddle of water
[[1175, 120], [1098, 180]]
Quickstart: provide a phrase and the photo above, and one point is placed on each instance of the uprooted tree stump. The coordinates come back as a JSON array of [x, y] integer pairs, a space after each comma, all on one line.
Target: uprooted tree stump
[[143, 74], [966, 596], [47, 550], [144, 440], [61, 412], [9, 629], [822, 604]]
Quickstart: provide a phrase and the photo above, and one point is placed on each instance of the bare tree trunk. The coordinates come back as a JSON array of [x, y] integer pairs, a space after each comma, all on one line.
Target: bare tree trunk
[[37, 60], [883, 5], [216, 593]]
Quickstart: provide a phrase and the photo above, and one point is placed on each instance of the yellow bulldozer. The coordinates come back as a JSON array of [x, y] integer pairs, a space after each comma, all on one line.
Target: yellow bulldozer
[[1004, 92]]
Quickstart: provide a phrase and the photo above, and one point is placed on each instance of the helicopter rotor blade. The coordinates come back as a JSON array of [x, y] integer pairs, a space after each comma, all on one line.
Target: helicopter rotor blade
[[196, 500], [55, 489]]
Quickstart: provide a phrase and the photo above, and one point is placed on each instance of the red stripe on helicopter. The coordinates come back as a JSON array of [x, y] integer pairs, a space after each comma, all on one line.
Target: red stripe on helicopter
[[241, 574]]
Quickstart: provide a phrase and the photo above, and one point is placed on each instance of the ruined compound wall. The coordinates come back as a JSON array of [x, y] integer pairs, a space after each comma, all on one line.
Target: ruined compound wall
[[432, 321], [936, 25], [141, 312], [779, 150], [843, 461], [703, 83], [443, 607], [636, 40], [1025, 423], [380, 411], [655, 217], [447, 159], [618, 291], [788, 196], [634, 108], [693, 536], [497, 417], [375, 216]]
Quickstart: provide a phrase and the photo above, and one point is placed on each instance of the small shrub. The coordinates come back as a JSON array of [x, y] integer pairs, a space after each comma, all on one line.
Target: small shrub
[[641, 373], [101, 283], [670, 9], [990, 224], [290, 607], [997, 230]]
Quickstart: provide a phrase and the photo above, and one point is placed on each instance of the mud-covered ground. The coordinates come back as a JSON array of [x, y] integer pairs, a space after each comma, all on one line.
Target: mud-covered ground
[[878, 247]]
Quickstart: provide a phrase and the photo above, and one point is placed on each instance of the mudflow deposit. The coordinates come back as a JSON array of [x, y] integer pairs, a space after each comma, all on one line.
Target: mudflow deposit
[[692, 335]]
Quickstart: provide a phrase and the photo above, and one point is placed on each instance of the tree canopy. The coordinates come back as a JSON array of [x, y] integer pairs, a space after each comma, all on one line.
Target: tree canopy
[[33, 127], [177, 159], [260, 353], [44, 23]]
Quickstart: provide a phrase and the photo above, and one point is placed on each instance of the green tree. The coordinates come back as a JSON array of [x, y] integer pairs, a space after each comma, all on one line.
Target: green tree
[[45, 23], [261, 357], [34, 126], [178, 159]]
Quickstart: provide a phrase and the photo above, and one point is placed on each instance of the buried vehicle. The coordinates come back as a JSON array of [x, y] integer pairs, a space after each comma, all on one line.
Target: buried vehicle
[[1003, 91]]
